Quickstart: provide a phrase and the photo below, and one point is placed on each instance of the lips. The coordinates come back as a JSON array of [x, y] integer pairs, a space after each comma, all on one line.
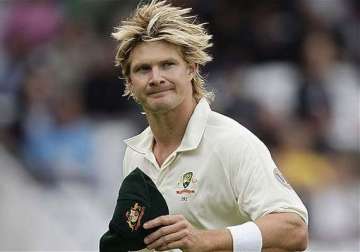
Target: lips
[[158, 91]]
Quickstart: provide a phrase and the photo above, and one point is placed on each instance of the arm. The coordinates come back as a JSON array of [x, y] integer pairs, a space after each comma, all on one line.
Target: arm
[[285, 231], [280, 232]]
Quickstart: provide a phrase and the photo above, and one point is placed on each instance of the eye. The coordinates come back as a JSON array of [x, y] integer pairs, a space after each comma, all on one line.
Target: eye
[[167, 65], [142, 69]]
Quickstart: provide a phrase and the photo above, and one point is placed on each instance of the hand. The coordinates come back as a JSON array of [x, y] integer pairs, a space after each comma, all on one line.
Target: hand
[[175, 233]]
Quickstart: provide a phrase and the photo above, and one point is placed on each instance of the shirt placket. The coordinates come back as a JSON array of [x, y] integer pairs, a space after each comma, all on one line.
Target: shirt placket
[[156, 169]]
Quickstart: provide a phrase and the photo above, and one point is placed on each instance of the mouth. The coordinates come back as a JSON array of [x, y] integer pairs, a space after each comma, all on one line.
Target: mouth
[[155, 92]]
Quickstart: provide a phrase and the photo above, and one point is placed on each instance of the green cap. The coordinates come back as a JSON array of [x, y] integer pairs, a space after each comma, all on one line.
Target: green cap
[[139, 201]]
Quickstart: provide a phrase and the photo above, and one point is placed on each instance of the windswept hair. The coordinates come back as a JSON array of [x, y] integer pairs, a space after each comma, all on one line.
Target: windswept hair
[[159, 20]]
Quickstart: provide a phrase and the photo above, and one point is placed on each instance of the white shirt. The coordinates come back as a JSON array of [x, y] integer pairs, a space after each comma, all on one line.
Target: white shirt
[[230, 175]]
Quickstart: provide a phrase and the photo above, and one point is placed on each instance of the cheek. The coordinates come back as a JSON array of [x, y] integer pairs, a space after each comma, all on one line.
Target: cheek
[[181, 78], [136, 84]]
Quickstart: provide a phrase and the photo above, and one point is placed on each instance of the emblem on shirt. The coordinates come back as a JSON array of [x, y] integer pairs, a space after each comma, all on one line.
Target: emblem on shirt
[[187, 179], [279, 177], [134, 216], [186, 186]]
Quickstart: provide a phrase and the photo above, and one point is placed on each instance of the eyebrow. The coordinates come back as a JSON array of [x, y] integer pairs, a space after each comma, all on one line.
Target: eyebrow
[[140, 64]]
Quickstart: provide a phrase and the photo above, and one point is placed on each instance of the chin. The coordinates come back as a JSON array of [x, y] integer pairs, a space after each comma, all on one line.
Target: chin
[[160, 107], [162, 104]]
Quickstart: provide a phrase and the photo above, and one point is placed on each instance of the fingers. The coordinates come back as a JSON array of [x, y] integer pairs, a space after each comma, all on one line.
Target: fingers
[[164, 220], [170, 241], [176, 226], [174, 229]]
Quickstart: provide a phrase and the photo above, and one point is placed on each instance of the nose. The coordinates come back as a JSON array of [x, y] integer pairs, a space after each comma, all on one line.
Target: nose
[[156, 77]]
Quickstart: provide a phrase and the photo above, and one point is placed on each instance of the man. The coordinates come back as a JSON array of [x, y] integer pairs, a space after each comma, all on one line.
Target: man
[[222, 187]]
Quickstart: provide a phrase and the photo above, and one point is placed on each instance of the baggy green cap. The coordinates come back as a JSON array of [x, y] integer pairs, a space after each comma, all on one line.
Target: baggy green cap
[[139, 201]]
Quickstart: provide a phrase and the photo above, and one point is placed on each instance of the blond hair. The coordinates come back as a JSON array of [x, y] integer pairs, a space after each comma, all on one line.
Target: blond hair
[[159, 20]]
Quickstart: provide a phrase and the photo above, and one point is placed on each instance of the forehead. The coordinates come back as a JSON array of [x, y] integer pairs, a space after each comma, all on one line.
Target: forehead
[[148, 52]]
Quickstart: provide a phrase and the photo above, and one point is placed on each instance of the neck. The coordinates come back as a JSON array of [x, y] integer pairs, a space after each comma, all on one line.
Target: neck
[[169, 127]]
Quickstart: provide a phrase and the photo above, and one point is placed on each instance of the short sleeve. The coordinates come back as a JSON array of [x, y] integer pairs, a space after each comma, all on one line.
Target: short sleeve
[[259, 184]]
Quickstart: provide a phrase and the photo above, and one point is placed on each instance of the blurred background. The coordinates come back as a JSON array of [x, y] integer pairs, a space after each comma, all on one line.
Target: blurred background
[[287, 70]]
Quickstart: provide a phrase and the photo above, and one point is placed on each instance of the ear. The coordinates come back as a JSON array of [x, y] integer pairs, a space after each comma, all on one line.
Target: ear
[[129, 85], [129, 82], [192, 68]]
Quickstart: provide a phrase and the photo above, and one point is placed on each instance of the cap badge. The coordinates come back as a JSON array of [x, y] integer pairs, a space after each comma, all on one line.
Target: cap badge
[[134, 216]]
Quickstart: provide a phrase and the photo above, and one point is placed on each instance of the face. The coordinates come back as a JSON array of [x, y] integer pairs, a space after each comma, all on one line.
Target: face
[[159, 77]]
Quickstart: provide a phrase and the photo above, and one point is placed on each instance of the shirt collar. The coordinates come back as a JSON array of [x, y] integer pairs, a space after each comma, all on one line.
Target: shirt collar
[[142, 143]]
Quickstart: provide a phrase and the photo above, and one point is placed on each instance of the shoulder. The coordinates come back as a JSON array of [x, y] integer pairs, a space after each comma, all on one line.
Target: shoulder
[[225, 131], [234, 144]]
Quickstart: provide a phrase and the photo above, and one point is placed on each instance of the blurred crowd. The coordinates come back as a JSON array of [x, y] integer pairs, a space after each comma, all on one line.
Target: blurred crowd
[[287, 70]]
